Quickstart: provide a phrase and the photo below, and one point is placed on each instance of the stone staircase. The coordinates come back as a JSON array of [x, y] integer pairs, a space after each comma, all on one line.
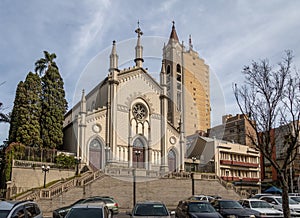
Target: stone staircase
[[167, 190]]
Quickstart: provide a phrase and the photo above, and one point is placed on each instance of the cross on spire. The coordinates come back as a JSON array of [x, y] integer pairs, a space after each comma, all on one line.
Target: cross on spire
[[138, 30]]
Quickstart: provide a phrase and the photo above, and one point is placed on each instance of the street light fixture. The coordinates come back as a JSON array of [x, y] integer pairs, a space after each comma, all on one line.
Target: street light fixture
[[194, 159], [77, 162], [45, 170], [137, 153]]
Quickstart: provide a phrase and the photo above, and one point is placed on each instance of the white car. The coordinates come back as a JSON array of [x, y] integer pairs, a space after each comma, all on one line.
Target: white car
[[276, 202], [10, 209], [200, 198], [261, 208]]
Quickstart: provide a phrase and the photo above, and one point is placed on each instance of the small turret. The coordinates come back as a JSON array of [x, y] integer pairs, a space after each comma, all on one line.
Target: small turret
[[113, 58], [83, 103], [139, 48]]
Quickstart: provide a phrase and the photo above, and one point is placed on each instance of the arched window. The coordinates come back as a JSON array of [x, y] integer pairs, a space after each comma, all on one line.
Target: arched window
[[168, 69], [178, 67], [178, 73], [172, 160], [93, 106], [95, 154]]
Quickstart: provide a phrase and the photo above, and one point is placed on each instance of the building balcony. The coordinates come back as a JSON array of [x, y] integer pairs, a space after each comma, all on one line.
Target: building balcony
[[239, 163], [237, 179]]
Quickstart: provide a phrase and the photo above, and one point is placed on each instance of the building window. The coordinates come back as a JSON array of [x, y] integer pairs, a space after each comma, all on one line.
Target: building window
[[178, 68], [168, 69]]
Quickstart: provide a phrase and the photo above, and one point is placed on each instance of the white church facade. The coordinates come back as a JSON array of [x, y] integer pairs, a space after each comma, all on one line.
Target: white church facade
[[129, 120]]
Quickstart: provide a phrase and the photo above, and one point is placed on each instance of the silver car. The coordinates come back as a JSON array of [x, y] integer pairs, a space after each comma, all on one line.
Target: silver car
[[261, 208]]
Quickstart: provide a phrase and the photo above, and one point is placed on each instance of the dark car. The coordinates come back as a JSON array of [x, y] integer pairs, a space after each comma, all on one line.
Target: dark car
[[231, 208], [149, 209], [195, 208], [109, 201], [90, 210]]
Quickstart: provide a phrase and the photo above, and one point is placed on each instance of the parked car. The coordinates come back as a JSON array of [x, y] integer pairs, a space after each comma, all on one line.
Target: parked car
[[195, 208], [231, 208], [261, 208], [89, 210], [259, 195], [110, 202], [150, 209], [201, 198], [26, 209], [276, 202]]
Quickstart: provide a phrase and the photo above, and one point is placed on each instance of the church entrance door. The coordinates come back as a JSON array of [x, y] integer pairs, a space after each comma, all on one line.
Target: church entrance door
[[138, 157]]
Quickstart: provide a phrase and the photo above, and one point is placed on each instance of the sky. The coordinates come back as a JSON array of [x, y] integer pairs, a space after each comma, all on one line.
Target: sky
[[227, 35]]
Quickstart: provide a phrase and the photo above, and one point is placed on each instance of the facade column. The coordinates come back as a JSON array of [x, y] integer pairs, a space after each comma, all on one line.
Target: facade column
[[130, 145], [82, 151], [164, 122], [149, 161], [112, 103]]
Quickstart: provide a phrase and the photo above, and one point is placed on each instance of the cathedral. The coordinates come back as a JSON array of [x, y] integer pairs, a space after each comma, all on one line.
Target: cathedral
[[130, 120]]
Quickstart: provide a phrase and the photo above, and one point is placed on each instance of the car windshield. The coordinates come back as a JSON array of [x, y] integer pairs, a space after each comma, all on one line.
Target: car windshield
[[85, 212], [150, 210], [260, 204], [291, 201], [4, 213], [201, 208], [296, 198], [230, 205]]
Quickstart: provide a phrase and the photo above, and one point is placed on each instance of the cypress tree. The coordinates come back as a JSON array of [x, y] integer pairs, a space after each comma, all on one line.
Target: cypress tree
[[15, 114], [31, 112], [54, 104]]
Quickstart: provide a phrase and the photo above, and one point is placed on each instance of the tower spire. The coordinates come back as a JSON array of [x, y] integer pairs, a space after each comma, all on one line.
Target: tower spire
[[139, 48], [173, 34]]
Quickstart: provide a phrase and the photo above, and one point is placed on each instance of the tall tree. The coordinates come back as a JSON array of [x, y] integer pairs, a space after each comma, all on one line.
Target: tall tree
[[270, 97], [15, 114], [28, 132], [54, 104], [43, 64]]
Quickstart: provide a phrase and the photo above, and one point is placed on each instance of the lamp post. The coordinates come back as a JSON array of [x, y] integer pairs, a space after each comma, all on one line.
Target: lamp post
[[45, 169], [77, 162], [137, 153], [193, 184], [227, 174], [194, 159]]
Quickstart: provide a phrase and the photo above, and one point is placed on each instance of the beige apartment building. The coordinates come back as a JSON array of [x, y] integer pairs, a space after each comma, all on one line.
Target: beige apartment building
[[231, 162]]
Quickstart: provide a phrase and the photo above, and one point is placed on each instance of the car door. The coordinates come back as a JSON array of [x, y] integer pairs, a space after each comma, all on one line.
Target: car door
[[18, 212]]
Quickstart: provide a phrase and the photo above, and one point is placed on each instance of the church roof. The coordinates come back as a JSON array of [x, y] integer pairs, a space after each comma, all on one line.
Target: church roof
[[173, 34]]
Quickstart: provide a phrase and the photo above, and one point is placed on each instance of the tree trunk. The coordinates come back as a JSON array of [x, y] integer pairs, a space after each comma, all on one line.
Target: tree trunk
[[283, 178]]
